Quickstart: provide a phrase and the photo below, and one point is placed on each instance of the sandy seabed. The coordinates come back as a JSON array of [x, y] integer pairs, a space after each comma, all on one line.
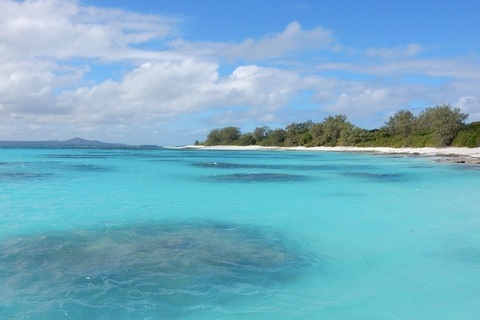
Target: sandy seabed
[[449, 154]]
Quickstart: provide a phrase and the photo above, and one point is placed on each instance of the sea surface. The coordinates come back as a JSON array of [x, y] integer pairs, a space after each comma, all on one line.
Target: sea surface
[[202, 234]]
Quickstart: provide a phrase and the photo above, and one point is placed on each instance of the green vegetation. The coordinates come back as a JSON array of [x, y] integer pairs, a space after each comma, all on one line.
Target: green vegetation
[[438, 126], [225, 136], [469, 136]]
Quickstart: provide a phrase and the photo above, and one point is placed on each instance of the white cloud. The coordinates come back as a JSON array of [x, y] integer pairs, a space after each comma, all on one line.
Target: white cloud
[[153, 93], [388, 85], [25, 86], [469, 105], [67, 29], [410, 50], [293, 38], [46, 47], [460, 68], [363, 99], [368, 103], [158, 90]]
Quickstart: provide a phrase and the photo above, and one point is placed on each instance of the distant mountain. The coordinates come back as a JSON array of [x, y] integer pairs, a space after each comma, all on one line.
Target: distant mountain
[[74, 143]]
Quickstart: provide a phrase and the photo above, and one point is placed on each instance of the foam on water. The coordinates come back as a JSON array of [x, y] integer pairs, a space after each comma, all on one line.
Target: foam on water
[[196, 234]]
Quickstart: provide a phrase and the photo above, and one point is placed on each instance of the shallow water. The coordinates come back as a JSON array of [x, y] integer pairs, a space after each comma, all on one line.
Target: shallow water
[[197, 234]]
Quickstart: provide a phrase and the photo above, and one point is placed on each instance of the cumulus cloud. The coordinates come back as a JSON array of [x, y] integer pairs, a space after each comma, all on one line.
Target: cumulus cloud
[[155, 92], [164, 89], [26, 85], [48, 46], [66, 29]]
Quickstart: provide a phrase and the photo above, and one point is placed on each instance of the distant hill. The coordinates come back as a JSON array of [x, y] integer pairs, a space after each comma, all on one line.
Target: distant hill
[[74, 143]]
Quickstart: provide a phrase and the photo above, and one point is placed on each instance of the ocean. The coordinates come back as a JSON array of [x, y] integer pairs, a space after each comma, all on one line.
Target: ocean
[[217, 234]]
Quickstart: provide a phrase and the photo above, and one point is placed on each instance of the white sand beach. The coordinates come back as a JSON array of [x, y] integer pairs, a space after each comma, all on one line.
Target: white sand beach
[[449, 154]]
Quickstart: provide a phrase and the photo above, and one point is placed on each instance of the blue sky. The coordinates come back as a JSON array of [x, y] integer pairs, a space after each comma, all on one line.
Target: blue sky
[[166, 72]]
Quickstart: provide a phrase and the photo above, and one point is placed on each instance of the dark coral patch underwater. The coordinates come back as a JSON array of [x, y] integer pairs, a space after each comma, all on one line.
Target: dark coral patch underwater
[[227, 165], [158, 269], [254, 177], [307, 167], [23, 176], [379, 177]]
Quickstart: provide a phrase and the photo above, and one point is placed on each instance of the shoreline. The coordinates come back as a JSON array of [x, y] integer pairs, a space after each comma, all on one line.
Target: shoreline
[[448, 154]]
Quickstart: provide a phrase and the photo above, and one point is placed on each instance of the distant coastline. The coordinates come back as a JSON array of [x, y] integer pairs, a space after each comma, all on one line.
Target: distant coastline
[[71, 143], [447, 154]]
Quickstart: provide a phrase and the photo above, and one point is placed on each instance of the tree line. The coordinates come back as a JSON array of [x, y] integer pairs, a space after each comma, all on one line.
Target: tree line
[[438, 126]]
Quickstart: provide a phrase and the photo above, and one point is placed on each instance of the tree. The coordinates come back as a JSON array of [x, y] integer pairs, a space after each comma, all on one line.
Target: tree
[[225, 136], [229, 135], [469, 136], [213, 137], [246, 139], [260, 133], [440, 126], [401, 123], [297, 133], [347, 135], [442, 122], [316, 131], [332, 130], [275, 138]]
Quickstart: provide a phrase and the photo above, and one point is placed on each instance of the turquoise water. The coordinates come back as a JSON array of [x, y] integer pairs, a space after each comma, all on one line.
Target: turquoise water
[[197, 234]]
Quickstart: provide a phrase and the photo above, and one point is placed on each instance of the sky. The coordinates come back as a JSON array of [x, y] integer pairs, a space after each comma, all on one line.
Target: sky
[[166, 72]]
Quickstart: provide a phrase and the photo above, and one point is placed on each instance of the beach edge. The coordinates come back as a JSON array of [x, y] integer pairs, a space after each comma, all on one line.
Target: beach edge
[[448, 154]]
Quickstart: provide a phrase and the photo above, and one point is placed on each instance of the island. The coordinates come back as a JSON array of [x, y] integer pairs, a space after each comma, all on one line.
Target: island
[[71, 143]]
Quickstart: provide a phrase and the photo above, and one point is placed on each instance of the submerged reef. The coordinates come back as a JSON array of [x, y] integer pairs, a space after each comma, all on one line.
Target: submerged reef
[[254, 177], [379, 177], [167, 269], [23, 176], [226, 165], [298, 167]]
